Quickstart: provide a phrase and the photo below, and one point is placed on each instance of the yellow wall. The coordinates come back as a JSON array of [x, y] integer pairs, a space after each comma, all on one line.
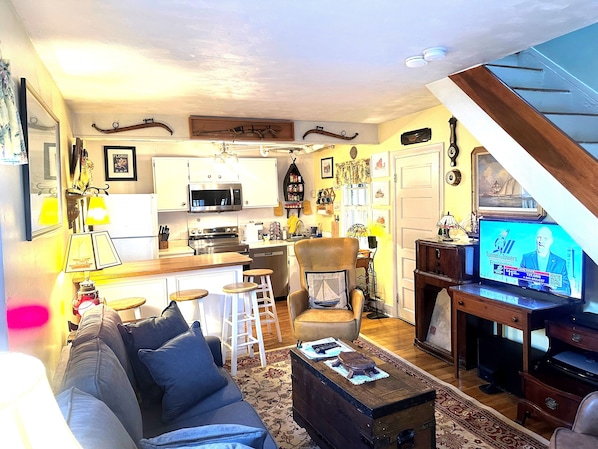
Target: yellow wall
[[457, 199], [31, 272]]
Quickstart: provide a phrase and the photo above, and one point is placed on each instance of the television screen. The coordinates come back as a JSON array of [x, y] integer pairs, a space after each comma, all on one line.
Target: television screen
[[531, 255]]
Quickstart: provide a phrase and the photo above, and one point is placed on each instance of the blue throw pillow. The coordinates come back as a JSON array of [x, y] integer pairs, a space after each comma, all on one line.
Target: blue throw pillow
[[184, 367], [151, 333], [213, 435]]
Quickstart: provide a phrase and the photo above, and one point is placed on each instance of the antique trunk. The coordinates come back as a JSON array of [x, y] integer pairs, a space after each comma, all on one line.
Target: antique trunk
[[394, 412]]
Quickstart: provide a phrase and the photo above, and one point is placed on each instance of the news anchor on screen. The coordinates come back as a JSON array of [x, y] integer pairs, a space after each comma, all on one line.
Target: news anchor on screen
[[545, 261]]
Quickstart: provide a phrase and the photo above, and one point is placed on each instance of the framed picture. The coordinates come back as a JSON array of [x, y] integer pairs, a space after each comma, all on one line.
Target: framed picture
[[120, 163], [379, 165], [327, 168], [380, 193], [496, 193], [42, 191], [381, 217]]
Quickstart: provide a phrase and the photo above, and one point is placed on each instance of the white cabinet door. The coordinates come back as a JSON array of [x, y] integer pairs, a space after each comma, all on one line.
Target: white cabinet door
[[204, 169], [171, 181], [259, 177]]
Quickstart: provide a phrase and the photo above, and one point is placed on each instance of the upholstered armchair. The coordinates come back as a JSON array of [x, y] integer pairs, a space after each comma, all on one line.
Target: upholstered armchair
[[328, 303], [584, 433]]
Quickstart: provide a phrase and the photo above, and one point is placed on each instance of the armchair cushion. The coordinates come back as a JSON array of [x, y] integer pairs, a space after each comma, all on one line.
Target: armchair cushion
[[327, 289]]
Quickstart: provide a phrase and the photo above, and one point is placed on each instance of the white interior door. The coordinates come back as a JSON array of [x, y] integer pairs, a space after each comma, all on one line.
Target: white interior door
[[417, 208]]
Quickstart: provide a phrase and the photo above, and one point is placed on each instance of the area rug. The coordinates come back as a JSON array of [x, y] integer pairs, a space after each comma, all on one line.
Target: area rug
[[461, 422]]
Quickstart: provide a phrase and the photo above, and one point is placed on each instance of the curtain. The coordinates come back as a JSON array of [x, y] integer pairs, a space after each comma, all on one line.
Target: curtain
[[353, 172], [12, 143]]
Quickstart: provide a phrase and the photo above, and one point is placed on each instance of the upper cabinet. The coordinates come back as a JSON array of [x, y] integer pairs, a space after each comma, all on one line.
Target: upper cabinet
[[204, 170], [171, 181], [259, 177]]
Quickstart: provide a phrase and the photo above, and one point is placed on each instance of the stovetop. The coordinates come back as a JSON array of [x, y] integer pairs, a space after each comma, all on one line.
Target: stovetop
[[218, 239]]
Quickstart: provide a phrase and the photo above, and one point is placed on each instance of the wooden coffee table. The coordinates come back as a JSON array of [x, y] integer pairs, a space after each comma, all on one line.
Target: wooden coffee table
[[393, 412]]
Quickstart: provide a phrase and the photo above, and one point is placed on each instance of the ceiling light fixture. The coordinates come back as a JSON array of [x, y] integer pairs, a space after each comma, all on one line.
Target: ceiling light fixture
[[434, 54]]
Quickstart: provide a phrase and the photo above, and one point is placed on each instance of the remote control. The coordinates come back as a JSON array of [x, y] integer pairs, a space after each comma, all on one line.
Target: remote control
[[323, 347]]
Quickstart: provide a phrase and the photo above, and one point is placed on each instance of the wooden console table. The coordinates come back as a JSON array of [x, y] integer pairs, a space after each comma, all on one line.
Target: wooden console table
[[525, 313]]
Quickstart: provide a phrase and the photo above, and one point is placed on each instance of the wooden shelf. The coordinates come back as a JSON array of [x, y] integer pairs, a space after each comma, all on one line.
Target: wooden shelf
[[219, 128]]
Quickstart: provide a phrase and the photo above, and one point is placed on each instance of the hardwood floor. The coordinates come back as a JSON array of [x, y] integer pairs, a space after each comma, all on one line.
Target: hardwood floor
[[397, 336]]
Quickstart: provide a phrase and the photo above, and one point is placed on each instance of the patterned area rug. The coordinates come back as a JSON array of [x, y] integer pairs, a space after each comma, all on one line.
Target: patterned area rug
[[461, 421]]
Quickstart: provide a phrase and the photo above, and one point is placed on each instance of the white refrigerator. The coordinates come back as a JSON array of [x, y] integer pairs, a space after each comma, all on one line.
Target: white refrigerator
[[133, 225]]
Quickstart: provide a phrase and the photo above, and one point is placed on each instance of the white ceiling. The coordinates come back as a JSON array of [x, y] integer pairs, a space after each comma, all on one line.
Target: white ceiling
[[321, 60]]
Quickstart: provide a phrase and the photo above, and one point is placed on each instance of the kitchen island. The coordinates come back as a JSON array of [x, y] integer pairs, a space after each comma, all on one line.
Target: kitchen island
[[156, 279]]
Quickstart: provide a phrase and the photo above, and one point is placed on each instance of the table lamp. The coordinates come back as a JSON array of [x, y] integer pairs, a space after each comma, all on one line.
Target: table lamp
[[445, 225], [87, 252], [29, 413]]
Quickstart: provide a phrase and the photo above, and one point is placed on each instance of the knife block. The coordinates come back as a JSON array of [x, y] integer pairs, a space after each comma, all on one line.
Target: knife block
[[163, 244]]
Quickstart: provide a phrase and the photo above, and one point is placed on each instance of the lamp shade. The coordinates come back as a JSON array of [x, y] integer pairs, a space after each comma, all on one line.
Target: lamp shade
[[91, 251], [29, 413], [97, 212]]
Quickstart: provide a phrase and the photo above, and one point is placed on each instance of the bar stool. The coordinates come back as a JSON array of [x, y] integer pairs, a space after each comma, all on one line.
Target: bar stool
[[195, 294], [233, 319], [134, 303], [265, 297]]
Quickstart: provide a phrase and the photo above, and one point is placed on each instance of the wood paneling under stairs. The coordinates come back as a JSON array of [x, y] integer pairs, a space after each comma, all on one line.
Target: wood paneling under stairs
[[398, 336]]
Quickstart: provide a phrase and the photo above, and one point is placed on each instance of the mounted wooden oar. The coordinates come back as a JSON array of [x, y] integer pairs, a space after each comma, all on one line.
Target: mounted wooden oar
[[320, 130], [147, 123]]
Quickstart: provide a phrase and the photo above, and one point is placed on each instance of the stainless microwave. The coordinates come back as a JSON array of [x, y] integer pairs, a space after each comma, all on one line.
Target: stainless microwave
[[215, 197]]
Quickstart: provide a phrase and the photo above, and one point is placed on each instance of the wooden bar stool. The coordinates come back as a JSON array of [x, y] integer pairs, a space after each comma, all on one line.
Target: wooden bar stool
[[265, 297], [134, 303], [240, 322], [195, 294]]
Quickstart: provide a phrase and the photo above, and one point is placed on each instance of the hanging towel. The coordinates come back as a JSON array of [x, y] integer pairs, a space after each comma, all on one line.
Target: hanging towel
[[12, 143]]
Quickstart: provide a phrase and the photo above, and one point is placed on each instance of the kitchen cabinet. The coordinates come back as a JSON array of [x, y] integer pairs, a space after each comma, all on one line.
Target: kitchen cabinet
[[205, 170], [259, 177], [171, 181]]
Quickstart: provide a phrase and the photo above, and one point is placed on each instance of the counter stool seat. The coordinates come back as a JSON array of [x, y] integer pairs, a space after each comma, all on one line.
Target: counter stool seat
[[240, 322], [265, 297], [195, 294], [134, 302]]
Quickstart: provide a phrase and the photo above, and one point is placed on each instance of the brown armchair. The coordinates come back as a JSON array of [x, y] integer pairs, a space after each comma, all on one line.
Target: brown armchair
[[320, 256], [584, 433]]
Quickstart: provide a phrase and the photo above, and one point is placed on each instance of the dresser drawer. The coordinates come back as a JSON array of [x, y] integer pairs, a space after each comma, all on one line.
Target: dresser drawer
[[490, 310], [455, 261], [577, 336], [553, 402]]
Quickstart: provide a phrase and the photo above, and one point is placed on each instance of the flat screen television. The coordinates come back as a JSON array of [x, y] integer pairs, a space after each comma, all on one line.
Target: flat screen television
[[531, 255]]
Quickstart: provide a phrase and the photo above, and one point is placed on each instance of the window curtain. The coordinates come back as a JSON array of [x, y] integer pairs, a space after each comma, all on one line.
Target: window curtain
[[353, 172], [12, 143]]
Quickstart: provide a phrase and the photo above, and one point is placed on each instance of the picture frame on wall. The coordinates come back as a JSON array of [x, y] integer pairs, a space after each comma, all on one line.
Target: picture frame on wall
[[380, 193], [327, 168], [379, 165], [120, 163], [496, 193], [381, 217]]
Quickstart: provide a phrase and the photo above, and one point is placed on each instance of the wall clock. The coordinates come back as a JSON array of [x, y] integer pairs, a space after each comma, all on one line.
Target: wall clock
[[453, 177], [453, 150]]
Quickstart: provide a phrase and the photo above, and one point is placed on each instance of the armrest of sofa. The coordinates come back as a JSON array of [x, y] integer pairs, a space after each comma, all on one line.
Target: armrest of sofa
[[586, 420], [216, 348]]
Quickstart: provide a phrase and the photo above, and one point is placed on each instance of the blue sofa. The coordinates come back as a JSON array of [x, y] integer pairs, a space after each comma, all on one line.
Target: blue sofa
[[155, 383]]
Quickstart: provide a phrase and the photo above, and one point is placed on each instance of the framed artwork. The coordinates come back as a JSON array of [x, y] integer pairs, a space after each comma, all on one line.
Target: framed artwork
[[379, 165], [42, 191], [381, 217], [120, 163], [380, 193], [496, 193], [326, 168]]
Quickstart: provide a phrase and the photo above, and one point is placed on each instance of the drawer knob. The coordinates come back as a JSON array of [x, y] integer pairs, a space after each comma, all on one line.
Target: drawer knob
[[460, 303], [576, 338], [437, 253], [514, 319], [552, 404]]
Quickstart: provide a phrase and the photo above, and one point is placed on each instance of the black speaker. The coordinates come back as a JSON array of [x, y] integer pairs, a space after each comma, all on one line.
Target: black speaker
[[372, 242]]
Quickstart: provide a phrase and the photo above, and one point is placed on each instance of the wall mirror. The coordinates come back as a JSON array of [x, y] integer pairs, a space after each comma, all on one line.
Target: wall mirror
[[41, 176]]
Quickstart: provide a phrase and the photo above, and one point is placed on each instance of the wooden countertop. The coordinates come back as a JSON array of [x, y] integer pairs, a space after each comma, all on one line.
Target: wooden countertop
[[167, 265]]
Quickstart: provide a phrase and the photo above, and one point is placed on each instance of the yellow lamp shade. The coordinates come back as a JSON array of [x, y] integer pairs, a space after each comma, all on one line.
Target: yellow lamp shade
[[97, 212]]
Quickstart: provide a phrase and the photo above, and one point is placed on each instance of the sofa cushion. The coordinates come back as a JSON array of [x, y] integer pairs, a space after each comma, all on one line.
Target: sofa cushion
[[94, 369], [91, 421], [151, 333], [102, 322], [327, 289], [184, 367], [211, 434]]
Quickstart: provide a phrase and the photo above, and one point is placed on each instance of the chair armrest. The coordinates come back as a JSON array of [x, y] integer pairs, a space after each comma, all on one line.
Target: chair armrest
[[586, 419], [215, 347], [357, 300], [297, 302]]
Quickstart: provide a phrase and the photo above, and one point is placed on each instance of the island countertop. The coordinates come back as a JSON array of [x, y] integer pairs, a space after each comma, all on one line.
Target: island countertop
[[167, 265]]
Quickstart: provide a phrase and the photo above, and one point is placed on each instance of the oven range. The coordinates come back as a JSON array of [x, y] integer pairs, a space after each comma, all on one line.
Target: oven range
[[216, 240]]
